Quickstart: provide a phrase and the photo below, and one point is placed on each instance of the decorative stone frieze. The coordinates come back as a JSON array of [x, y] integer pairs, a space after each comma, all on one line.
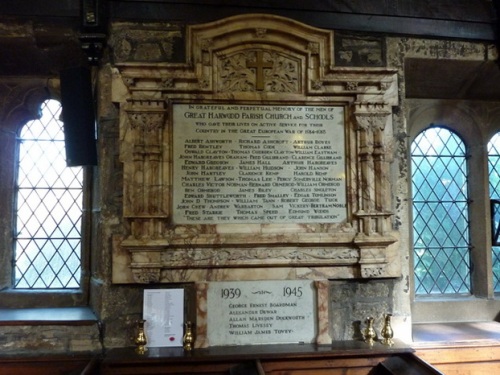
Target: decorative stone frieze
[[262, 60], [140, 42]]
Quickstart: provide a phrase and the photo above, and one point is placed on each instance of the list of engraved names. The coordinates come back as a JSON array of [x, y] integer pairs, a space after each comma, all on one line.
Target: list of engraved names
[[261, 312], [258, 164]]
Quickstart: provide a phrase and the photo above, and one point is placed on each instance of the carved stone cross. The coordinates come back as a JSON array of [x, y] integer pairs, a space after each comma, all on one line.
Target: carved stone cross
[[260, 65]]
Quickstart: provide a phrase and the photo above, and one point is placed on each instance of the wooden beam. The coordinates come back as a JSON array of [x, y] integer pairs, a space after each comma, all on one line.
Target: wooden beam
[[480, 26], [474, 20]]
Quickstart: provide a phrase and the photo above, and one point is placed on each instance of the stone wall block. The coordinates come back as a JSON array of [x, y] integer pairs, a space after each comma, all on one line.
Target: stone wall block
[[49, 339]]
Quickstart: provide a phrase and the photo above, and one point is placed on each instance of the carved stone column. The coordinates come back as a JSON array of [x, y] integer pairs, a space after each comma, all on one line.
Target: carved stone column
[[145, 201], [322, 290], [373, 200]]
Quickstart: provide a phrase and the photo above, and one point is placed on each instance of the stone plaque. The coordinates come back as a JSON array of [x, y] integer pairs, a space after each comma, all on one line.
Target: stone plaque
[[261, 312], [258, 164]]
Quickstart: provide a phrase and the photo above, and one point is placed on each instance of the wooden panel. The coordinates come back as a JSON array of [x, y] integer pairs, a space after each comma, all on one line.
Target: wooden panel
[[277, 365], [476, 359], [342, 358], [479, 368], [46, 365], [171, 369], [404, 364], [473, 354], [345, 358], [324, 371]]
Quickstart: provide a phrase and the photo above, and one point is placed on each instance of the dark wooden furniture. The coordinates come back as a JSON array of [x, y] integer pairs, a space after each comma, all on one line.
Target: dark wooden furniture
[[49, 365], [350, 357]]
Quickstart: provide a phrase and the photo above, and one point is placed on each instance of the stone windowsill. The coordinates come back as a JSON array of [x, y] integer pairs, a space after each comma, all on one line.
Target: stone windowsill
[[47, 316], [456, 334]]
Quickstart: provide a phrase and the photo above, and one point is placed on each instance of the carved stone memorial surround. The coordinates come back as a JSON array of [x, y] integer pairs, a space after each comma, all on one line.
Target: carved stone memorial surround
[[222, 66]]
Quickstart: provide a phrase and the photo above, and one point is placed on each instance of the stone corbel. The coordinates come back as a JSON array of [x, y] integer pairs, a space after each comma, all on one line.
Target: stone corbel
[[146, 115], [145, 264], [370, 271], [373, 255]]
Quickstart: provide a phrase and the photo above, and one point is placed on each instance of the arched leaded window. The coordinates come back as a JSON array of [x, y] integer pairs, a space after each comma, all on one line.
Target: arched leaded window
[[441, 242], [47, 237], [494, 184]]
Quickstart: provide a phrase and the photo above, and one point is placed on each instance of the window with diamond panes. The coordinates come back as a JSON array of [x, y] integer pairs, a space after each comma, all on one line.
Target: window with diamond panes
[[441, 241], [47, 238], [494, 179]]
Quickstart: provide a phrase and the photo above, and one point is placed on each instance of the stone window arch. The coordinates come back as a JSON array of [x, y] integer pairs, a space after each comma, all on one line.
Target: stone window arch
[[475, 124], [22, 101]]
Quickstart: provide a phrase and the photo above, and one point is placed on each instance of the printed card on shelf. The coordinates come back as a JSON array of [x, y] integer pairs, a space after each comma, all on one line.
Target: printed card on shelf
[[163, 311]]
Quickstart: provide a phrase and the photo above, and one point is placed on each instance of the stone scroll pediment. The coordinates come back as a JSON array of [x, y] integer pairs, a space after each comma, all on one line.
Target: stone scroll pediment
[[257, 60]]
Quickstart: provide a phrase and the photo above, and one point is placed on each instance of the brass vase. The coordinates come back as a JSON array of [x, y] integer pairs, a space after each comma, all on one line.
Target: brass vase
[[370, 334], [188, 338], [387, 333], [141, 339]]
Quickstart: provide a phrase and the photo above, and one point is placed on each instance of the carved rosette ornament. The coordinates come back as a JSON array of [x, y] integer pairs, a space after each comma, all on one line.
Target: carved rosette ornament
[[317, 85], [206, 44], [313, 48], [260, 32], [351, 86], [167, 83]]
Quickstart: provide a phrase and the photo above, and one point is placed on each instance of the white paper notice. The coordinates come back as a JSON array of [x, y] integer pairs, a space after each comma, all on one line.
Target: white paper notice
[[163, 311]]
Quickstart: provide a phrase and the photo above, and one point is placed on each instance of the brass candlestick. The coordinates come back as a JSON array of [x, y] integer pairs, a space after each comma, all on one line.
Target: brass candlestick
[[369, 333], [387, 333], [141, 339], [188, 338]]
